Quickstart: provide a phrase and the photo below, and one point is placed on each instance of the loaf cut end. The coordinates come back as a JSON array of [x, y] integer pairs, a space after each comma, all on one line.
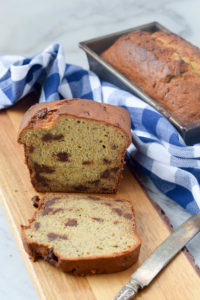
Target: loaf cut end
[[66, 152]]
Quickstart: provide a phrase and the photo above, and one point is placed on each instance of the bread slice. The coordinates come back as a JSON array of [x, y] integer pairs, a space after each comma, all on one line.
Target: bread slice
[[83, 234], [75, 145]]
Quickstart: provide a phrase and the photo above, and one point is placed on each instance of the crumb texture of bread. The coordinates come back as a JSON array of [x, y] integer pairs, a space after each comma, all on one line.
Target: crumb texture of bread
[[83, 234], [164, 66], [75, 145]]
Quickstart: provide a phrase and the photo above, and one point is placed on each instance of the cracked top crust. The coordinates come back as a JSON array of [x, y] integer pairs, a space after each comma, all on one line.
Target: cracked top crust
[[44, 115], [165, 66]]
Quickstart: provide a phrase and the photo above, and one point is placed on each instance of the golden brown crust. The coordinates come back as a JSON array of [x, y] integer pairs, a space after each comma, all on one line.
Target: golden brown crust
[[165, 66], [81, 265], [44, 115]]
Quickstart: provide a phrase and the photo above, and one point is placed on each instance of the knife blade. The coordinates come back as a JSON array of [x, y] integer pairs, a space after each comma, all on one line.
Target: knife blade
[[160, 258]]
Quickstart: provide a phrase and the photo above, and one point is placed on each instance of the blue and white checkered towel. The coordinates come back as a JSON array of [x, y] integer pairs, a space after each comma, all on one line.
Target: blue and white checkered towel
[[161, 154]]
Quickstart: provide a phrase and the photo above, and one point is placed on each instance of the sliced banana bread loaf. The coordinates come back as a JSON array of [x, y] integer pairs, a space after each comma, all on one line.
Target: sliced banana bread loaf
[[75, 145], [83, 234]]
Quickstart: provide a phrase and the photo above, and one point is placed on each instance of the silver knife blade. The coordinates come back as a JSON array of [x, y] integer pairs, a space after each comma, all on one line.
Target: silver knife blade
[[160, 258]]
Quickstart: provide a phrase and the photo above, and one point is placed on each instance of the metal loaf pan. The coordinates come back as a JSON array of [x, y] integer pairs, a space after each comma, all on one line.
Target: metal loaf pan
[[94, 47]]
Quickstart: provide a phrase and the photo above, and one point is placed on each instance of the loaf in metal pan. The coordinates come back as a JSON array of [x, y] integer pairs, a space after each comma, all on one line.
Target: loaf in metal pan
[[164, 66]]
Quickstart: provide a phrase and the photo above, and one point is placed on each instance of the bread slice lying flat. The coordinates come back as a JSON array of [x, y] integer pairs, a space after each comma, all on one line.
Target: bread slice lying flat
[[83, 234], [75, 145]]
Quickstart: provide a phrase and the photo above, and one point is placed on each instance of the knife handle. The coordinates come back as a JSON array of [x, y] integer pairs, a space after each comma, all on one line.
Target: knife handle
[[128, 291]]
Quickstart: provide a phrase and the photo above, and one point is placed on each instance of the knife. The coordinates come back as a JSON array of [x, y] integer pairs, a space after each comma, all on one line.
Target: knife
[[160, 258]]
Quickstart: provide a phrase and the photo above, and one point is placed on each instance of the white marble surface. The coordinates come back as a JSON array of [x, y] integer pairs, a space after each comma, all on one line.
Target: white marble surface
[[27, 27]]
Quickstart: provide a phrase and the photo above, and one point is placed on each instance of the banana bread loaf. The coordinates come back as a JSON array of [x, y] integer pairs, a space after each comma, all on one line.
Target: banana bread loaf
[[83, 234], [75, 145], [164, 66]]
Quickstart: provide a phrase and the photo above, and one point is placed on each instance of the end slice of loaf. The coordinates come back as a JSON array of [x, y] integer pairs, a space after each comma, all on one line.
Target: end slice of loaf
[[75, 145], [83, 234]]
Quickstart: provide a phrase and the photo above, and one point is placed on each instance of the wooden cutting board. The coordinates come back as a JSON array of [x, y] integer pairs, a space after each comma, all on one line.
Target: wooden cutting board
[[178, 281]]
